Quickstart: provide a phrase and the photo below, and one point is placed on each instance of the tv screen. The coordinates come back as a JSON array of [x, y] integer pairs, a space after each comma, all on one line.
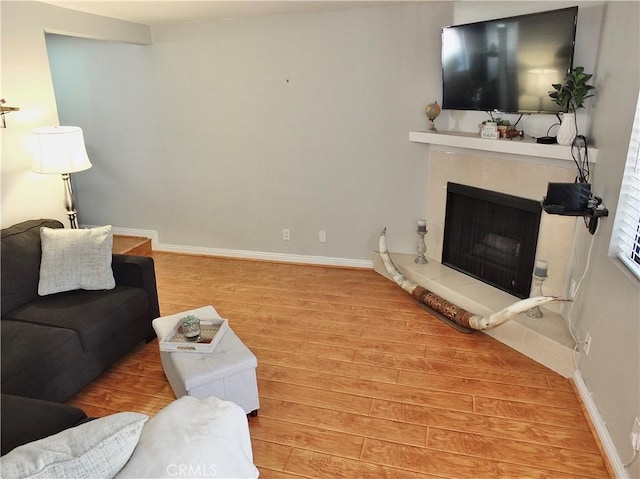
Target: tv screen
[[507, 64]]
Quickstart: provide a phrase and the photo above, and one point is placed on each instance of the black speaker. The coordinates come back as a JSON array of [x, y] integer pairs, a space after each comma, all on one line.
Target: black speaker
[[567, 197]]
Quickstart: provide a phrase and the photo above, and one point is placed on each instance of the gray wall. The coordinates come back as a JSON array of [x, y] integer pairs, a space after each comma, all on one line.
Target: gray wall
[[609, 306], [254, 125]]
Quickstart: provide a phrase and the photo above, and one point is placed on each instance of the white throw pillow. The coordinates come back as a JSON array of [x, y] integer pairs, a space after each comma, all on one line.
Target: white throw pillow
[[75, 259], [93, 450], [194, 438]]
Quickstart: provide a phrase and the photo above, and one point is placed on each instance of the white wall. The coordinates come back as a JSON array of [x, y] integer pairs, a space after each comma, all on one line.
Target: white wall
[[26, 83], [294, 121]]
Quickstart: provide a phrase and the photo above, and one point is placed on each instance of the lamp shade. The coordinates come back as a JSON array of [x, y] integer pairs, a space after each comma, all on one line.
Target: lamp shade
[[59, 149]]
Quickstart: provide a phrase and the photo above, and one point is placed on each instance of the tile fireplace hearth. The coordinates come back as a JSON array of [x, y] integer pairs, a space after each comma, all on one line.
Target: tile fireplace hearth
[[545, 340]]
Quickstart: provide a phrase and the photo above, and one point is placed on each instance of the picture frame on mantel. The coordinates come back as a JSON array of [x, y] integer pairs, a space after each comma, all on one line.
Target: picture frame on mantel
[[490, 131]]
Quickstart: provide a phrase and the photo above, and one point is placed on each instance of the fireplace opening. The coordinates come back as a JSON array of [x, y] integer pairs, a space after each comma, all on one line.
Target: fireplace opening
[[491, 236]]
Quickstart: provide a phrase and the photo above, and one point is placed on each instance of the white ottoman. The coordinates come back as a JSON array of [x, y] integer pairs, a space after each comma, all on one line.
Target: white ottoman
[[229, 372]]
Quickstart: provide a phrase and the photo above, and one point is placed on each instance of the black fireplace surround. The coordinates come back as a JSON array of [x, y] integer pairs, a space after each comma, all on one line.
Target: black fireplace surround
[[492, 237]]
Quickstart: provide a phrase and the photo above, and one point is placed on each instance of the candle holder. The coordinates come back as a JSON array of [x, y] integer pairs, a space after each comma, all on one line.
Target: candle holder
[[536, 313], [422, 247], [190, 328]]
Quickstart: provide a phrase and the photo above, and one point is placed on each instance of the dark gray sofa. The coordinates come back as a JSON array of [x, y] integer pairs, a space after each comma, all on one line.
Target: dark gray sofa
[[52, 346], [25, 420]]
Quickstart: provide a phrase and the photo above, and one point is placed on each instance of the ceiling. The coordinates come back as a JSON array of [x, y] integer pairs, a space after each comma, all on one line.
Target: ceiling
[[153, 12]]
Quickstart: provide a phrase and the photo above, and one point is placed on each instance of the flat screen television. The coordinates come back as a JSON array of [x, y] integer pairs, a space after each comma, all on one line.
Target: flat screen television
[[508, 64]]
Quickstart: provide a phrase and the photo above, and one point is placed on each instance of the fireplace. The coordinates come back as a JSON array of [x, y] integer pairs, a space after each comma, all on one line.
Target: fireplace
[[491, 236]]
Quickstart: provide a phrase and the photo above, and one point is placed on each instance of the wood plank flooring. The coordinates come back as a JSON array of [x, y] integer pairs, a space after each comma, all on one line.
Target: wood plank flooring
[[137, 245], [356, 381]]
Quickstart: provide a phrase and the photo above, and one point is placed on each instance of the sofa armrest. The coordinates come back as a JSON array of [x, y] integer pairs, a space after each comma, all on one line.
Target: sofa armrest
[[138, 271], [26, 419]]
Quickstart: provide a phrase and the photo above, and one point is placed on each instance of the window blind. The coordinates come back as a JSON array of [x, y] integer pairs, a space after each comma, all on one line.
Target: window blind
[[625, 241]]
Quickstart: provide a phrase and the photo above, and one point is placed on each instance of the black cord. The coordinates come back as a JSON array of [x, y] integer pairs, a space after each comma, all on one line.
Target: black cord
[[490, 113], [516, 123], [582, 163]]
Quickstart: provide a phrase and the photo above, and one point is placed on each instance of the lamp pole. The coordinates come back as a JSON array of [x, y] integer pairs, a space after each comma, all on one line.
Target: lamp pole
[[69, 202]]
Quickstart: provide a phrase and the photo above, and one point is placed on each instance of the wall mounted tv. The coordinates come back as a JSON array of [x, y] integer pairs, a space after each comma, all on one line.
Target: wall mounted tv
[[508, 64]]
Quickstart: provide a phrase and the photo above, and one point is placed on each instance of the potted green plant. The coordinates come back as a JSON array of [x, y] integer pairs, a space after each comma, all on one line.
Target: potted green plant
[[570, 95]]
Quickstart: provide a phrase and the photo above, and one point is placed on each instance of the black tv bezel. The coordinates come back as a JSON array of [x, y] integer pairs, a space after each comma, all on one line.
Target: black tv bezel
[[461, 25]]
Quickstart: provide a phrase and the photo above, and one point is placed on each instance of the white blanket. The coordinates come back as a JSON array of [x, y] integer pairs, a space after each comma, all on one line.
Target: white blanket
[[194, 438]]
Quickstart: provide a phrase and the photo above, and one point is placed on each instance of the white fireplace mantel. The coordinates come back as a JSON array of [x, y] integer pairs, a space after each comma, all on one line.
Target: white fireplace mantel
[[524, 148]]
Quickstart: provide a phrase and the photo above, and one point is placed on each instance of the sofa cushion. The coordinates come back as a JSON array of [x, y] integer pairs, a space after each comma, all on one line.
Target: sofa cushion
[[75, 259], [96, 449], [94, 315], [21, 262], [25, 420], [32, 355]]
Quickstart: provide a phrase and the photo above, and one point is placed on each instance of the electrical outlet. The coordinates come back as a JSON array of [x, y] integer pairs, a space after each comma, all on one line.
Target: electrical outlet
[[635, 435], [586, 346], [286, 235], [322, 236]]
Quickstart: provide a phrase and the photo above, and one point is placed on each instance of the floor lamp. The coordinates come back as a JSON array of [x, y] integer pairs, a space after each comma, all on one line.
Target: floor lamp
[[61, 150]]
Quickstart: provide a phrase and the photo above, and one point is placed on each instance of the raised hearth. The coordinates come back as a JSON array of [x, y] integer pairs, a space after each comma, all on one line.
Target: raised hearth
[[545, 340]]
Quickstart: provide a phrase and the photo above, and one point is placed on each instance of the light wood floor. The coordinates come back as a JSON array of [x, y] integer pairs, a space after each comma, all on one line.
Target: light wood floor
[[356, 381]]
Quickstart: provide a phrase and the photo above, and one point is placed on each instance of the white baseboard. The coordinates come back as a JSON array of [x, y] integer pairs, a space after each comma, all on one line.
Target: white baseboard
[[233, 253], [601, 427], [137, 232], [265, 256], [153, 234]]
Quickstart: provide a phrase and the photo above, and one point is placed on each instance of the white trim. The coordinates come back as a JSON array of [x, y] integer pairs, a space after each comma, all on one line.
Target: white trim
[[266, 256], [601, 427], [136, 232], [534, 152], [633, 267], [153, 234], [625, 240], [234, 253]]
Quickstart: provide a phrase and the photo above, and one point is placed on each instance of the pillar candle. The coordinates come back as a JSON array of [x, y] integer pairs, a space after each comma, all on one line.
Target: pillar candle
[[541, 268]]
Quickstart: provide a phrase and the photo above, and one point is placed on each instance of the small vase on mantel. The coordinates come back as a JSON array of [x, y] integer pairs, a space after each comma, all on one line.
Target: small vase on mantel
[[567, 131]]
